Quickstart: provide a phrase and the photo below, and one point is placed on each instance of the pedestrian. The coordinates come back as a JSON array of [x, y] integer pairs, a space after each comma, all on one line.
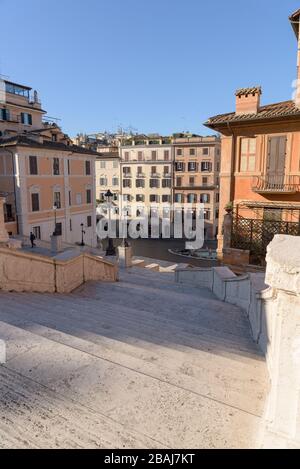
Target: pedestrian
[[32, 240]]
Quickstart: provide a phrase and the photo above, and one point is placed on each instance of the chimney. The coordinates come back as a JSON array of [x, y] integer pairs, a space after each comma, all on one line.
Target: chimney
[[248, 100], [294, 19]]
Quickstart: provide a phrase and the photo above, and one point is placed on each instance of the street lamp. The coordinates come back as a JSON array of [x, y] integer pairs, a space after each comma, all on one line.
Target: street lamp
[[110, 251], [82, 234]]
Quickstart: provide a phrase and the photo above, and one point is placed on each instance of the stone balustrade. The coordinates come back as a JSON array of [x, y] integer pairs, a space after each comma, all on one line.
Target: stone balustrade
[[272, 304]]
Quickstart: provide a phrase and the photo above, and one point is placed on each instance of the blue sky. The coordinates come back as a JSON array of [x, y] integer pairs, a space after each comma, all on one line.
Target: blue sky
[[155, 65]]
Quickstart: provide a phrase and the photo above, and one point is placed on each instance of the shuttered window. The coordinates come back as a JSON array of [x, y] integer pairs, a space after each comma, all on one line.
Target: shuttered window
[[33, 168], [248, 154]]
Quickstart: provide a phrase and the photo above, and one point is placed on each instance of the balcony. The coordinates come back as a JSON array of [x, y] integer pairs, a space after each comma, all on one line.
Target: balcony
[[167, 175], [155, 175], [277, 184], [140, 175]]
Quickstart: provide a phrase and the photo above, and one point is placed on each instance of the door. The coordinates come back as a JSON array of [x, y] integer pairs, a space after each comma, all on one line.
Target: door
[[276, 162]]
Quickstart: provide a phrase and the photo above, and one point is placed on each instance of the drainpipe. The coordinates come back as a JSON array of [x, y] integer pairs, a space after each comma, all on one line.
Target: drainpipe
[[14, 182]]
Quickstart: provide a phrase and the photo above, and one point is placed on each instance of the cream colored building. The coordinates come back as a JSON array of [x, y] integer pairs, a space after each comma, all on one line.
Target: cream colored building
[[146, 172], [40, 169], [108, 175], [196, 177]]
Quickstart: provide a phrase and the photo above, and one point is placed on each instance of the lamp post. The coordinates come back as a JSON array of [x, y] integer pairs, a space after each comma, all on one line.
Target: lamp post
[[82, 234], [110, 251]]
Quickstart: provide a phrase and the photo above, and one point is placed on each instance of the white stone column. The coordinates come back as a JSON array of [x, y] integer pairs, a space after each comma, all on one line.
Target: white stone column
[[283, 412], [3, 233]]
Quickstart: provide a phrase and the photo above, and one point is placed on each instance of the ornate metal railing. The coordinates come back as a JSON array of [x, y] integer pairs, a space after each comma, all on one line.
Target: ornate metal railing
[[276, 184]]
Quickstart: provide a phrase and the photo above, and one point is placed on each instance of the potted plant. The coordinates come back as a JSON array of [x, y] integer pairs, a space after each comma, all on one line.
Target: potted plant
[[229, 207]]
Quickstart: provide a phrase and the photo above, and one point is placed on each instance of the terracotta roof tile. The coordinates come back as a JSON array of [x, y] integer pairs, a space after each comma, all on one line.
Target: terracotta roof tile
[[246, 91], [271, 111]]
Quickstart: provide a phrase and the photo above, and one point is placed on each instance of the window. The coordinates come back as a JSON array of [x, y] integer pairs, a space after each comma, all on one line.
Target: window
[[4, 114], [88, 196], [153, 170], [115, 181], [102, 164], [154, 155], [206, 166], [126, 155], [167, 170], [166, 155], [69, 167], [205, 198], [54, 137], [126, 197], [127, 170], [218, 167], [89, 221], [217, 214], [166, 183], [126, 183], [217, 197], [140, 198], [26, 118], [192, 152], [35, 202], [192, 181], [206, 214], [166, 199], [179, 167], [103, 181], [204, 181], [179, 152], [140, 183], [248, 154], [78, 199], [192, 198], [33, 168], [205, 151], [88, 168], [58, 229], [70, 224], [140, 156], [56, 166], [154, 198], [8, 213], [57, 200], [154, 183], [179, 198], [192, 166], [178, 181], [36, 230]]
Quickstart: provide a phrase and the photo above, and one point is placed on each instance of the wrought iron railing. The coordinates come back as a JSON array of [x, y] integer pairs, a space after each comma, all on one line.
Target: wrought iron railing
[[255, 235], [276, 183]]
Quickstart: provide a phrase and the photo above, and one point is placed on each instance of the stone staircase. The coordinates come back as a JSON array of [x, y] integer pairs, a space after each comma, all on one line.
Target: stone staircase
[[142, 363]]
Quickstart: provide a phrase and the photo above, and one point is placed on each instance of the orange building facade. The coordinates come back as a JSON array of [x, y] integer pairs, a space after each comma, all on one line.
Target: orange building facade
[[48, 183], [260, 168]]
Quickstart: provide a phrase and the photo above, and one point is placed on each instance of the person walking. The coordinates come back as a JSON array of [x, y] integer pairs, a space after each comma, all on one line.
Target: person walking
[[32, 240]]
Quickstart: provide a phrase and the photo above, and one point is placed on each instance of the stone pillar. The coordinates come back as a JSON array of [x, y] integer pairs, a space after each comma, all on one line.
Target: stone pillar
[[224, 238], [283, 410], [56, 244], [4, 238], [125, 256]]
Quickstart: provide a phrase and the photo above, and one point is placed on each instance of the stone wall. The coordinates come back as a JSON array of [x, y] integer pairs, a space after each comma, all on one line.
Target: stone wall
[[26, 272]]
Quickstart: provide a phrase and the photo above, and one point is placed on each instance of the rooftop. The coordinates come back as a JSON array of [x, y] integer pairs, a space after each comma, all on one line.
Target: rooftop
[[285, 109]]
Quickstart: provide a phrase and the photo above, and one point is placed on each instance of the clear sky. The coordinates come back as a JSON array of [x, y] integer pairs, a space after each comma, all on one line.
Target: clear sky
[[155, 65]]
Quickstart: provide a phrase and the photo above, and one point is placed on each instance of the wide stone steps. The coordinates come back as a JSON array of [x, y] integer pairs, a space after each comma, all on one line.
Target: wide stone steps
[[142, 363], [139, 326]]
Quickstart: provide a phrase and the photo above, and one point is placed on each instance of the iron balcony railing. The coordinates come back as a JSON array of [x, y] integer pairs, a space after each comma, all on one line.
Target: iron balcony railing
[[276, 184]]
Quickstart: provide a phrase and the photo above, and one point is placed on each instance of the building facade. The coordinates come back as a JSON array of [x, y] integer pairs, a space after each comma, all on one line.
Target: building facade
[[49, 184], [146, 172], [108, 175], [196, 177], [260, 169]]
